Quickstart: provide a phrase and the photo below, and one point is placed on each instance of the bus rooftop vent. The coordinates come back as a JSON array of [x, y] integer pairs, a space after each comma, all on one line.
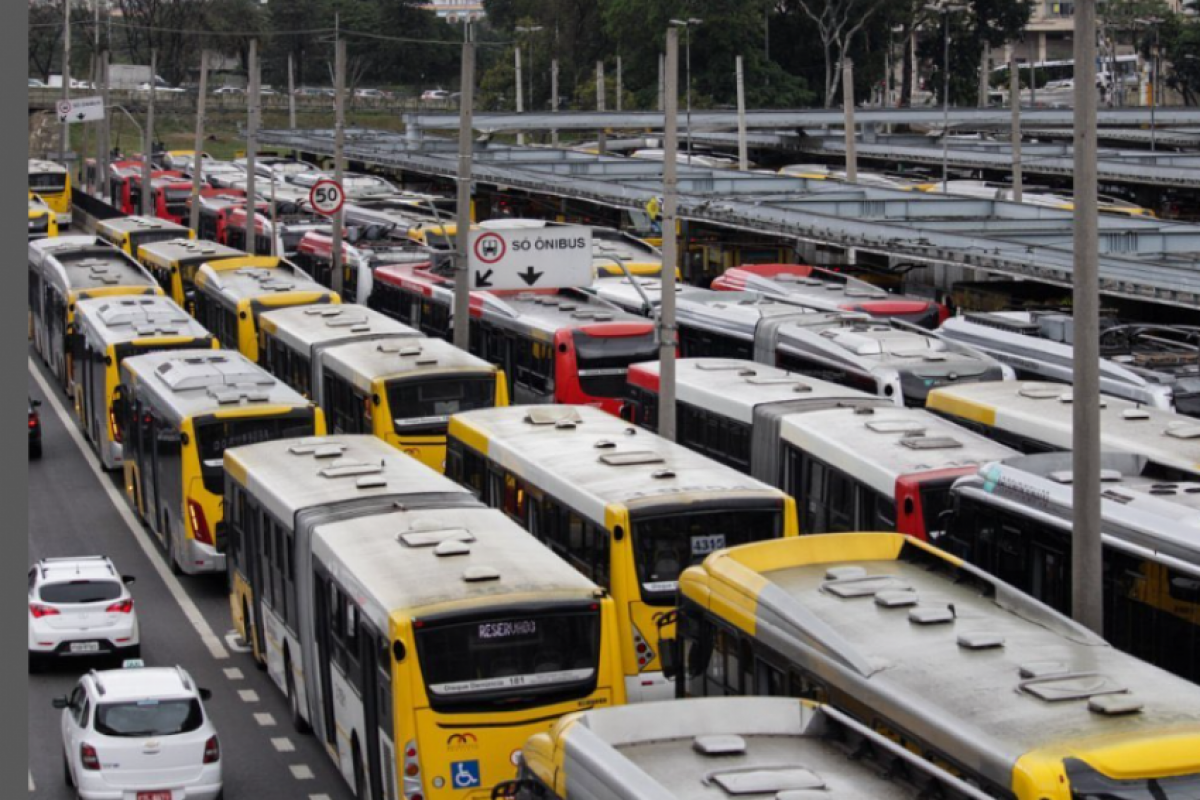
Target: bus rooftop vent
[[451, 547], [844, 573], [631, 458], [432, 537], [980, 640], [1066, 476], [1041, 669], [930, 442], [1183, 430], [727, 744], [1115, 705], [550, 415], [864, 585], [896, 599], [308, 445], [1135, 414], [906, 426], [1040, 391], [480, 574], [324, 311], [935, 615], [371, 482], [767, 779], [344, 321], [345, 468], [332, 450], [1070, 686], [662, 474]]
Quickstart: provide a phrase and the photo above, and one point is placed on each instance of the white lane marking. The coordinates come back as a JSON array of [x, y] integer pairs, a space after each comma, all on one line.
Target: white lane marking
[[301, 772], [233, 673], [31, 786], [210, 639], [318, 797], [236, 643], [266, 720], [284, 745], [248, 695]]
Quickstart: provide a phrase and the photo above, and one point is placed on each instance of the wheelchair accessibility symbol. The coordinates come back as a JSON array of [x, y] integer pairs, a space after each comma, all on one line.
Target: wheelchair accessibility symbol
[[464, 774]]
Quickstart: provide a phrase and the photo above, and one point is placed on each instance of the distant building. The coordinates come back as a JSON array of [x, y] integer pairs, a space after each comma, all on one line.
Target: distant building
[[457, 10]]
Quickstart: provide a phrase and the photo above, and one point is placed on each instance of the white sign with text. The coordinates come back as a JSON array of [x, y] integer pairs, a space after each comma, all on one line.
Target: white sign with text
[[553, 257]]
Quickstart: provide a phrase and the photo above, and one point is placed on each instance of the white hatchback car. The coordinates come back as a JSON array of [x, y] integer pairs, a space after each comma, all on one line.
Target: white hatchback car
[[80, 607], [140, 733]]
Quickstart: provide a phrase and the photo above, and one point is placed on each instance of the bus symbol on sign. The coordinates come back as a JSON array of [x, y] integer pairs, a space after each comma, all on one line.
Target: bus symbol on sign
[[490, 248]]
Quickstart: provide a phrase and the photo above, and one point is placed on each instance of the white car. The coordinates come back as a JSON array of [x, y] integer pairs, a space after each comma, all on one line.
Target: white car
[[435, 94], [80, 607], [139, 733]]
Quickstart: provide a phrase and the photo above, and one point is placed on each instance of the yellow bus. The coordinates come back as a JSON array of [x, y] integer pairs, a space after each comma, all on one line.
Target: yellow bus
[[52, 182], [109, 330], [177, 412], [130, 233], [421, 636], [63, 271], [628, 508], [173, 263], [43, 222], [713, 747], [371, 374], [942, 658], [232, 292]]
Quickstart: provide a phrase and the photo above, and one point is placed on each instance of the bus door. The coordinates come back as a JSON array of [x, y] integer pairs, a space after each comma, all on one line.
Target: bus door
[[377, 707]]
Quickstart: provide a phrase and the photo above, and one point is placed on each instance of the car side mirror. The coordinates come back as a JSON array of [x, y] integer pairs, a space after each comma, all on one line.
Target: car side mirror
[[128, 579], [205, 694], [61, 702]]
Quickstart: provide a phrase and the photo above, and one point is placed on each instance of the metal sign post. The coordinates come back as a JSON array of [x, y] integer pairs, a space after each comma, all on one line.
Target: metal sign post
[[148, 146], [531, 258], [252, 100], [666, 319], [339, 158], [462, 277], [197, 161]]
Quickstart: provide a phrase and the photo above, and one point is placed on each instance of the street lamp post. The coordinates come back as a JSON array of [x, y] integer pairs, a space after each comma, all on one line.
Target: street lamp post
[[1153, 22], [688, 23], [944, 9], [529, 29]]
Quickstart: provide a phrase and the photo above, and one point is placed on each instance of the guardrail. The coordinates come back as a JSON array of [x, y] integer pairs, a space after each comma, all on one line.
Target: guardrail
[[184, 102]]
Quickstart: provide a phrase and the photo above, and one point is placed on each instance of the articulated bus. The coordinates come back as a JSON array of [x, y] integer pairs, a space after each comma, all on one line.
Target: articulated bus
[[554, 346], [360, 259], [53, 183], [1035, 417], [174, 262], [109, 330], [720, 747], [231, 294], [421, 636], [130, 233], [629, 509], [946, 660], [853, 461], [63, 271], [177, 412], [43, 222], [1014, 519], [827, 290]]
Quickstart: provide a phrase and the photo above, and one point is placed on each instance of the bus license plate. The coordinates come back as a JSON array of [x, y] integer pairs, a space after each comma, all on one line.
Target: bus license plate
[[88, 647], [164, 794], [703, 545]]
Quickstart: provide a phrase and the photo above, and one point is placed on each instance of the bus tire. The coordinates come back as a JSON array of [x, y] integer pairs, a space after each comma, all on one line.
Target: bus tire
[[172, 560], [360, 791], [298, 722], [259, 663]]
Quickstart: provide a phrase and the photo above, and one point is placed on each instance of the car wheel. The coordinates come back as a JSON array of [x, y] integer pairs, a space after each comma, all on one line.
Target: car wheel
[[35, 662], [35, 450], [67, 777]]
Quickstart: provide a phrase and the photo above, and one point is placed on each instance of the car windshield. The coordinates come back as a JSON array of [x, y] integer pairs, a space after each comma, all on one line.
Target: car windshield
[[664, 546], [80, 591], [149, 717]]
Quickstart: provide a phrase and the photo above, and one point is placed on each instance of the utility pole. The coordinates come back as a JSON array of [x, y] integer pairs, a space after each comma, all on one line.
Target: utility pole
[[983, 77], [462, 273], [103, 145], [848, 111], [620, 88], [291, 93], [1014, 94], [602, 144], [666, 314], [743, 155], [339, 157], [197, 161], [1087, 585], [520, 97], [554, 98], [251, 143], [662, 87], [946, 100], [66, 80], [148, 146]]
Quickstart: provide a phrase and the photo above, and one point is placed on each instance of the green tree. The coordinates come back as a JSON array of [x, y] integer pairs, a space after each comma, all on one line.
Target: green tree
[[989, 23]]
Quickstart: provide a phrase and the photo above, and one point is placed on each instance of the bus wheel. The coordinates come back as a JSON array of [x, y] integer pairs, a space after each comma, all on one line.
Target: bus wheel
[[360, 791], [298, 722], [172, 560], [247, 625]]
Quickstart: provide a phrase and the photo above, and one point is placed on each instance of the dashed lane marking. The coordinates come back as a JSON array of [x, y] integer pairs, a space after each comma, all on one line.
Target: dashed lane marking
[[266, 720], [301, 772], [283, 745], [233, 674], [31, 786], [210, 639], [236, 643], [248, 695], [318, 797]]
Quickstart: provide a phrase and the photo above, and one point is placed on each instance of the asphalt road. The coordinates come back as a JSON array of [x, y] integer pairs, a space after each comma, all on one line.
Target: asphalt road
[[183, 620]]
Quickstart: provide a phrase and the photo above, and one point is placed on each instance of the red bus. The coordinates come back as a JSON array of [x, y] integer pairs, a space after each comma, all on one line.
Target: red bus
[[120, 175], [215, 208], [555, 346], [171, 192], [360, 258], [853, 461], [826, 290]]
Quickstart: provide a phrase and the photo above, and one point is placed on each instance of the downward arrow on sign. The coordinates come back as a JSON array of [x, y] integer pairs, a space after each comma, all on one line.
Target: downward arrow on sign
[[529, 276], [481, 279]]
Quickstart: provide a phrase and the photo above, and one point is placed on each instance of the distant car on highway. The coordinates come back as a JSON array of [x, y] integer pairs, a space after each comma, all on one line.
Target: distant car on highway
[[370, 94], [80, 607], [35, 429], [229, 90], [139, 733], [34, 83], [435, 94]]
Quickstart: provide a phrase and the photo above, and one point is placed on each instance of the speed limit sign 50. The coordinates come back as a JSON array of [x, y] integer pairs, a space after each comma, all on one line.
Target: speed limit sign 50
[[326, 197]]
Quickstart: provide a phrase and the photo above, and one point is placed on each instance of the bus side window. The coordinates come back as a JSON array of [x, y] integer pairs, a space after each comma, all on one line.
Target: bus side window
[[345, 414]]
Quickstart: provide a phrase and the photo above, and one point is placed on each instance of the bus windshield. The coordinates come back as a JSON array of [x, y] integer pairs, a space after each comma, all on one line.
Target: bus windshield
[[214, 436], [664, 546], [423, 406], [518, 658], [1088, 784], [603, 361]]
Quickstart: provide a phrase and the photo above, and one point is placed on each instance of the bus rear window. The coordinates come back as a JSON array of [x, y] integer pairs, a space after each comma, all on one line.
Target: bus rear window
[[423, 405], [664, 546], [215, 436], [510, 660], [935, 500], [603, 361]]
